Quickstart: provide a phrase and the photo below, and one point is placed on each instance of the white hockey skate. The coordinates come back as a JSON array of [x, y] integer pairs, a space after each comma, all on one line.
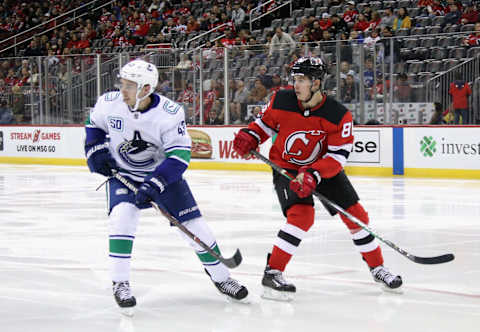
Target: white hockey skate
[[275, 287], [390, 282], [232, 289], [124, 298]]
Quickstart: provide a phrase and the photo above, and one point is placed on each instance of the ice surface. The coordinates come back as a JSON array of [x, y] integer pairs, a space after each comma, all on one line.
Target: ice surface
[[54, 264]]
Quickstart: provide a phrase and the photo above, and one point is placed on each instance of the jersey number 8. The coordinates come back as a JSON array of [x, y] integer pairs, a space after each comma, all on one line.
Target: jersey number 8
[[347, 129]]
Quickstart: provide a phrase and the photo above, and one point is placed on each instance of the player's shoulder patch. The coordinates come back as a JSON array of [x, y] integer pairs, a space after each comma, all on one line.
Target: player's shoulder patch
[[111, 96], [332, 110], [285, 100], [170, 106]]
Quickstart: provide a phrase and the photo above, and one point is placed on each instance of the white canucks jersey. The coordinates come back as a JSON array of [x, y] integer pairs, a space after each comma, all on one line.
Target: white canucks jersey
[[140, 141]]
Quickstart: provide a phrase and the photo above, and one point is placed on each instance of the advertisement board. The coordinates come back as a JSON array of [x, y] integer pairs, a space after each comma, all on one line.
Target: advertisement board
[[41, 143], [442, 148]]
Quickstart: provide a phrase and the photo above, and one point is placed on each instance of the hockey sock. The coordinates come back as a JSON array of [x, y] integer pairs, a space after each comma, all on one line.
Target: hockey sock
[[218, 271], [123, 225], [364, 241], [299, 220]]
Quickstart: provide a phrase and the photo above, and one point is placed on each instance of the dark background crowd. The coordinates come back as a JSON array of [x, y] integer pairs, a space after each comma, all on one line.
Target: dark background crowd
[[434, 36]]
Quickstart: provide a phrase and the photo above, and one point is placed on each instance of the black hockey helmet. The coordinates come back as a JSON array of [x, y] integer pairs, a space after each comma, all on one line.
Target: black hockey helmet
[[312, 67]]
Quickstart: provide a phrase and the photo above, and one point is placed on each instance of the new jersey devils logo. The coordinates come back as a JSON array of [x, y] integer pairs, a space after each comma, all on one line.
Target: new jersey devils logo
[[303, 147]]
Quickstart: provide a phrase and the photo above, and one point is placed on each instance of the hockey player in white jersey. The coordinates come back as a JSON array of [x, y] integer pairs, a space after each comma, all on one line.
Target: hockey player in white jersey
[[143, 135]]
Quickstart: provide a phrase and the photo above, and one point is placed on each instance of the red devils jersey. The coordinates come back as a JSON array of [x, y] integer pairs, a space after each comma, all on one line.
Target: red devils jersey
[[320, 138]]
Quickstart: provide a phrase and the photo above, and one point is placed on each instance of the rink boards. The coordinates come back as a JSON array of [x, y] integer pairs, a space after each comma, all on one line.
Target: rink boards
[[417, 151]]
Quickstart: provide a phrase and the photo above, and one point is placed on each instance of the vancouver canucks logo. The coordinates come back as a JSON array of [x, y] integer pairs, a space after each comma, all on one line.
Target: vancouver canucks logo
[[137, 152]]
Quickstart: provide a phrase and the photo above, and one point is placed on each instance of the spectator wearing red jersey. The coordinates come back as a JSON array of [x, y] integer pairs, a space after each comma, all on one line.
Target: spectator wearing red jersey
[[435, 9], [474, 38], [470, 15], [361, 24], [424, 3], [460, 91], [350, 15], [229, 39], [325, 22], [11, 78], [209, 96], [374, 21], [316, 32], [403, 21], [83, 42]]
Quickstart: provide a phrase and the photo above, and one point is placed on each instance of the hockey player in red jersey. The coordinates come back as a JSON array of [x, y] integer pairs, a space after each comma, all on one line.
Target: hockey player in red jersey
[[314, 137]]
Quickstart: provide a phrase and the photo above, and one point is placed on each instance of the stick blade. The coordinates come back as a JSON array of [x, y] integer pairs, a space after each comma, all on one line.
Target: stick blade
[[432, 260], [233, 261]]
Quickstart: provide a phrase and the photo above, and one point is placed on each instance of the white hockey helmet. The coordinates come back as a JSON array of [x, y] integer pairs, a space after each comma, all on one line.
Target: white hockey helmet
[[141, 72]]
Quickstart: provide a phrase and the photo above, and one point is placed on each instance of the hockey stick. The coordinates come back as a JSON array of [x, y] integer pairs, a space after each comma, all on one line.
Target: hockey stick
[[231, 262], [420, 260]]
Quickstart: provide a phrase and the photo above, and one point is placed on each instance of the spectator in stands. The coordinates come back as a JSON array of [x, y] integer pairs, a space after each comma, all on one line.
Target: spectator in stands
[[372, 38], [209, 96], [281, 40], [374, 21], [387, 40], [264, 77], [345, 69], [402, 90], [187, 95], [350, 90], [474, 38], [277, 84], [350, 15], [437, 116], [184, 63], [434, 8], [238, 16], [304, 22], [470, 15], [338, 25], [325, 22], [213, 117], [388, 18], [255, 114], [453, 16], [315, 33], [240, 98], [258, 93], [460, 91], [18, 107], [34, 49], [361, 24], [6, 114], [402, 21]]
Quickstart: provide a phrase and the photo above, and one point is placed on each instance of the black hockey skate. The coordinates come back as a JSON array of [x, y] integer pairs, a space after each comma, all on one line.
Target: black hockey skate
[[390, 281], [123, 295], [232, 289], [275, 286]]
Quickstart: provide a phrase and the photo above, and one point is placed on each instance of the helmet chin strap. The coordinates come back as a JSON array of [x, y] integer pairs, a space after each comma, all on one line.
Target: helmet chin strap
[[138, 99], [315, 98]]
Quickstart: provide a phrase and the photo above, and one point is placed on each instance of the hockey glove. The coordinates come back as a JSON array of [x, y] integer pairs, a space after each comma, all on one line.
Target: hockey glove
[[305, 182], [245, 140], [99, 159], [150, 190]]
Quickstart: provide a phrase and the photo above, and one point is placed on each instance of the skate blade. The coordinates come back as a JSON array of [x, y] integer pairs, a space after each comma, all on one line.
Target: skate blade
[[398, 290], [129, 312], [274, 295], [245, 300]]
